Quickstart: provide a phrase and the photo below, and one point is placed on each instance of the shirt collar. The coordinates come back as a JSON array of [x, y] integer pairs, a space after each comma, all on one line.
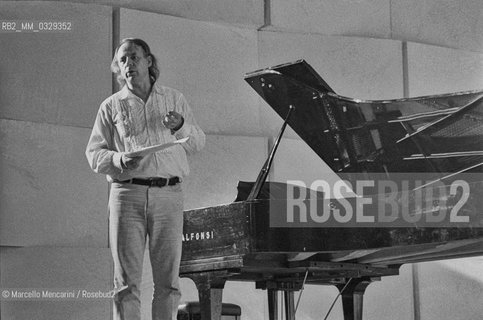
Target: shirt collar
[[125, 93]]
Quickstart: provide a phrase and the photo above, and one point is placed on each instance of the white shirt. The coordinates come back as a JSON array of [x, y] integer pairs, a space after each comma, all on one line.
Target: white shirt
[[125, 123]]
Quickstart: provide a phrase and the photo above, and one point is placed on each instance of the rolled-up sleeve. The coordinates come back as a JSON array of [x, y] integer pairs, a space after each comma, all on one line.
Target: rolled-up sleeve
[[190, 128]]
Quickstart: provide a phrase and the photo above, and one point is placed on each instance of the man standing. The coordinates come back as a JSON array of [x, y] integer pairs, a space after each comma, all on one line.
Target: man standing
[[146, 198]]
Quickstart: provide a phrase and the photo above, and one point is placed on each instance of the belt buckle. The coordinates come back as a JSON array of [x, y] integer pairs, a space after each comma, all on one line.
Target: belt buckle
[[152, 182], [157, 182]]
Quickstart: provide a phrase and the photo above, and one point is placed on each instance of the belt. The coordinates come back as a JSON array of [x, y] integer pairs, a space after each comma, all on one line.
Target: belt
[[154, 182]]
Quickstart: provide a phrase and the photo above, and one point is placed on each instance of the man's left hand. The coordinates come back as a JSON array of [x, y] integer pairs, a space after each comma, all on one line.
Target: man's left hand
[[173, 120]]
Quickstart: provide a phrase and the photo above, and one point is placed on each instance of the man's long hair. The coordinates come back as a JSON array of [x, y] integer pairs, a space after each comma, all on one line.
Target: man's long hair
[[153, 69]]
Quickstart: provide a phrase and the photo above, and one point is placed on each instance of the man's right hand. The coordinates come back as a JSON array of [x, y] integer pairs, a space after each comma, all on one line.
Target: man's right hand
[[130, 163]]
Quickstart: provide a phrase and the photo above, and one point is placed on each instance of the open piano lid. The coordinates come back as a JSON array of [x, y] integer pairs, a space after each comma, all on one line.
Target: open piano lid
[[442, 133]]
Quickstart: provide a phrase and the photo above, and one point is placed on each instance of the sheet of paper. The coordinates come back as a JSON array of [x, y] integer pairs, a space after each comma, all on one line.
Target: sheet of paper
[[148, 150]]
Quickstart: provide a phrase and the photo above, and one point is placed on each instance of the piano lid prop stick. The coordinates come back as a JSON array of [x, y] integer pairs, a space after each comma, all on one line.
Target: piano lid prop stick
[[301, 290], [335, 300], [262, 176]]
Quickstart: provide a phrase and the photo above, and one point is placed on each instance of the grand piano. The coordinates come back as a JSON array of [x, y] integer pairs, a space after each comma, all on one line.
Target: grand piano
[[438, 137]]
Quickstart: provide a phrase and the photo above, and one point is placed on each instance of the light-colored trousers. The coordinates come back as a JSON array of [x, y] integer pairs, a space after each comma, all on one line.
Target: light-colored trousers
[[156, 213]]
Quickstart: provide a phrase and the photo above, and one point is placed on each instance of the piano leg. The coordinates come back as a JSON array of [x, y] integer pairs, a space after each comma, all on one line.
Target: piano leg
[[210, 293], [352, 298], [272, 304], [289, 305]]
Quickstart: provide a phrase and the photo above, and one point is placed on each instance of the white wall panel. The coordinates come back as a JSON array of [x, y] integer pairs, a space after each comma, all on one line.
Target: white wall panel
[[55, 77], [58, 270], [448, 23], [248, 13], [49, 195], [207, 62], [391, 298], [365, 18], [451, 289], [437, 70]]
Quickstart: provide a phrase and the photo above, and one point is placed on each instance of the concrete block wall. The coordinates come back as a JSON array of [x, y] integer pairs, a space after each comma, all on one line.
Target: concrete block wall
[[51, 86]]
